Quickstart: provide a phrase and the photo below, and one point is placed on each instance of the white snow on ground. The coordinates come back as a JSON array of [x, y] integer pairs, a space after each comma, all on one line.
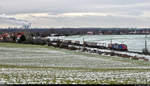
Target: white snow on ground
[[55, 76], [46, 57], [61, 62], [122, 52]]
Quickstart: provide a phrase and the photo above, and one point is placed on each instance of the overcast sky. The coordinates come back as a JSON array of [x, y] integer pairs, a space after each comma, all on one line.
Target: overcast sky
[[75, 13]]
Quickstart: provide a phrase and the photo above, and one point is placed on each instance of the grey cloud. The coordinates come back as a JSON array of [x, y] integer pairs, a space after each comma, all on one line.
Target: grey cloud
[[5, 19], [8, 22], [91, 21], [57, 7], [19, 20]]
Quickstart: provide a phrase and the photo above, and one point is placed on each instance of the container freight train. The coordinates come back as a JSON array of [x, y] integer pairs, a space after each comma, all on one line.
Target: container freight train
[[70, 44], [120, 47]]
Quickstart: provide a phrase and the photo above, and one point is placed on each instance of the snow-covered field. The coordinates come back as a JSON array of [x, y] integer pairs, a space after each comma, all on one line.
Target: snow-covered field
[[58, 76], [41, 64]]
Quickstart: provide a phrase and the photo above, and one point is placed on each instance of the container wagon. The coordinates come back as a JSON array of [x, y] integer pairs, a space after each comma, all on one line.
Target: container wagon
[[90, 44]]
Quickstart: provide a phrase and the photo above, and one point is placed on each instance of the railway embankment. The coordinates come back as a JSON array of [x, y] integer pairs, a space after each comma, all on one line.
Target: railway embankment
[[101, 50]]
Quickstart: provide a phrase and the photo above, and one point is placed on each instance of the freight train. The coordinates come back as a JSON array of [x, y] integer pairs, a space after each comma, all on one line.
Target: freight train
[[70, 44]]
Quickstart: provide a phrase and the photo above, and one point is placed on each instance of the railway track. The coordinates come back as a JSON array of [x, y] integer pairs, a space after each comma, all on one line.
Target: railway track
[[99, 50]]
